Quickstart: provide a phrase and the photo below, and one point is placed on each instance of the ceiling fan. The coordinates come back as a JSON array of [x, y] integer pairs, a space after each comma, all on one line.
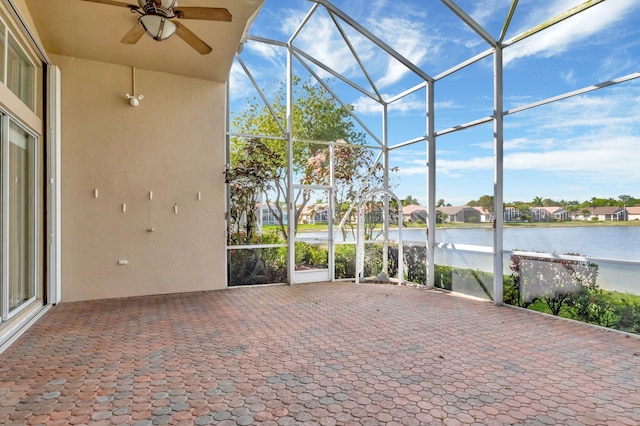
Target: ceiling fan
[[160, 20]]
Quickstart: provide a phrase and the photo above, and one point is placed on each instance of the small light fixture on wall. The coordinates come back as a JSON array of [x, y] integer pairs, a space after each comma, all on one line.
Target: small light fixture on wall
[[134, 100]]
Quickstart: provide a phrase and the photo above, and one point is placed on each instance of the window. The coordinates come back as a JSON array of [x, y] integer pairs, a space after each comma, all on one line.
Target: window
[[3, 39], [21, 73], [19, 241]]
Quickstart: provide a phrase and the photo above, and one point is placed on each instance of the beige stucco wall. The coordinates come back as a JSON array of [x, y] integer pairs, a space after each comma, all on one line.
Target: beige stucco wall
[[173, 145]]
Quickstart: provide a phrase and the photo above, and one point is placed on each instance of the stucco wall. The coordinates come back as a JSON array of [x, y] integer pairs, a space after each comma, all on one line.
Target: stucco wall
[[173, 145]]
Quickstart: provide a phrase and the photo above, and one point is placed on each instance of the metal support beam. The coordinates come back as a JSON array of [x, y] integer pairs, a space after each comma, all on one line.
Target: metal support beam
[[267, 41], [498, 176], [356, 56], [480, 56], [302, 24], [507, 21], [385, 184], [574, 93], [334, 73], [431, 185], [470, 22], [337, 98], [559, 18], [291, 208], [373, 38], [262, 96]]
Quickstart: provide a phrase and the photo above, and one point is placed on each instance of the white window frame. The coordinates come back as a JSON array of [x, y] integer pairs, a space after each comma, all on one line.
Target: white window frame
[[34, 158]]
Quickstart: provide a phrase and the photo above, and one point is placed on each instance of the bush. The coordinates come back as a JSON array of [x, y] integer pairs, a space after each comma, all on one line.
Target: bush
[[629, 313], [415, 262], [443, 277], [345, 261], [594, 307], [558, 282], [310, 256], [570, 287]]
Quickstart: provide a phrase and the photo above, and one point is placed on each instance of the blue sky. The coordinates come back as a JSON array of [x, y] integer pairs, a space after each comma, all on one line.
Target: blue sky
[[582, 147]]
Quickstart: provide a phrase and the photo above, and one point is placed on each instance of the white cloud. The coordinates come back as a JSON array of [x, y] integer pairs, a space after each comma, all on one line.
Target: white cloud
[[487, 10], [589, 159], [592, 159], [569, 77], [241, 85], [407, 38], [367, 106], [458, 168], [558, 38], [264, 50], [594, 139], [322, 41]]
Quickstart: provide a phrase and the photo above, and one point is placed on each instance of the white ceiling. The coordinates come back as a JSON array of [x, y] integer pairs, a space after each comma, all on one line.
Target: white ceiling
[[93, 31]]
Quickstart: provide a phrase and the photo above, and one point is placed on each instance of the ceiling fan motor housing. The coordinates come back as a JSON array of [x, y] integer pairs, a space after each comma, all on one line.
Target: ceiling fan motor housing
[[158, 7], [156, 18]]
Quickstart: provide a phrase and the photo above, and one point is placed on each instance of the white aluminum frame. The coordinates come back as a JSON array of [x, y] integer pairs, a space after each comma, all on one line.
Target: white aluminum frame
[[495, 49]]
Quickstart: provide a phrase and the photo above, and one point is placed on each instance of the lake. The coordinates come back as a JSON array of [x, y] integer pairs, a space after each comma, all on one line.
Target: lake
[[605, 242]]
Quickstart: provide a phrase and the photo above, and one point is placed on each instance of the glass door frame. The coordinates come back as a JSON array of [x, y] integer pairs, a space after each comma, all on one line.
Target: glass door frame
[[314, 275], [32, 204]]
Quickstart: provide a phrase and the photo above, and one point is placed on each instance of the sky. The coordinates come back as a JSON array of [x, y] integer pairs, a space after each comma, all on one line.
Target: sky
[[574, 149]]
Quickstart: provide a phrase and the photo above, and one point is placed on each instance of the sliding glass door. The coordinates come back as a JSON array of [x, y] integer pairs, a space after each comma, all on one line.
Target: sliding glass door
[[19, 176]]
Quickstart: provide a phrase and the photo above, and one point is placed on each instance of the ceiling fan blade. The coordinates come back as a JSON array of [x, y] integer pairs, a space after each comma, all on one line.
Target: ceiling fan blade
[[134, 34], [192, 39], [113, 3], [204, 13]]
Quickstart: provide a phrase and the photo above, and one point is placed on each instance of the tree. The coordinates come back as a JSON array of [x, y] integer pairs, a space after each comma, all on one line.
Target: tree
[[624, 199], [572, 209], [411, 201], [315, 117], [354, 174], [486, 202]]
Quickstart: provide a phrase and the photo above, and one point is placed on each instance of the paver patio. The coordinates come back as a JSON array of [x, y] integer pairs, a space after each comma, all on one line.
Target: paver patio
[[332, 353]]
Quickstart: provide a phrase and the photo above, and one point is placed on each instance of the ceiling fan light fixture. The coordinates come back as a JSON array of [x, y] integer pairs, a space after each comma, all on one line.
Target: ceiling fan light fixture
[[158, 27]]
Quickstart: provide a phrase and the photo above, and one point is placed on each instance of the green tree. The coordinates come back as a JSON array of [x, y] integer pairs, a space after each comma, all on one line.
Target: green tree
[[486, 202], [315, 117], [411, 201], [624, 199]]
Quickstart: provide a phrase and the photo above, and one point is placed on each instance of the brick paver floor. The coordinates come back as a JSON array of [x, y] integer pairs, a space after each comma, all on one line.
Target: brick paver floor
[[322, 354]]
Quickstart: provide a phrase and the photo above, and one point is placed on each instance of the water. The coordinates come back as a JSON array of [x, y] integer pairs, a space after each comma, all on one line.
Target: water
[[606, 242], [611, 242]]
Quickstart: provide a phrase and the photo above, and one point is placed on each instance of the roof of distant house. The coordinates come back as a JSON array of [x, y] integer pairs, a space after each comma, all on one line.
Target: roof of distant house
[[605, 210], [412, 208], [551, 209], [482, 210], [452, 209], [633, 210]]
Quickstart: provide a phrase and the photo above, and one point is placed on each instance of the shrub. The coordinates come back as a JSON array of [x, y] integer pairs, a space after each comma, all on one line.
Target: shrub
[[415, 262], [345, 261], [629, 313], [594, 307], [558, 282]]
